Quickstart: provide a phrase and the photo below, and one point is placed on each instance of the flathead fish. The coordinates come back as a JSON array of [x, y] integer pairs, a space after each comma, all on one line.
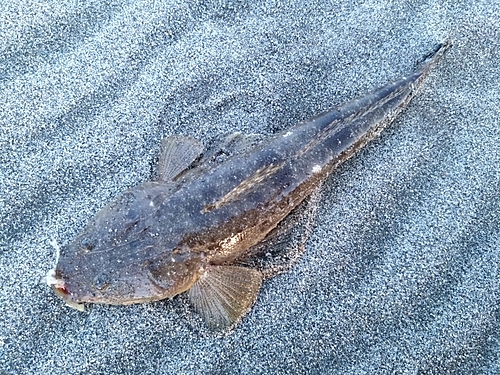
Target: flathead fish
[[185, 231]]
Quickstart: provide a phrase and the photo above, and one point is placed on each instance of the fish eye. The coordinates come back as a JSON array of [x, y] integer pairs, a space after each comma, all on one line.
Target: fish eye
[[87, 246], [101, 282]]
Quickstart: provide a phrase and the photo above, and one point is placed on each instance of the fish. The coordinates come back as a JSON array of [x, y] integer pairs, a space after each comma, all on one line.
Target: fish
[[186, 230]]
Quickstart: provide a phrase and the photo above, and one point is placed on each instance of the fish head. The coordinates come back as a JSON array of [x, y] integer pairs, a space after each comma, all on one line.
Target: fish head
[[99, 277], [120, 258]]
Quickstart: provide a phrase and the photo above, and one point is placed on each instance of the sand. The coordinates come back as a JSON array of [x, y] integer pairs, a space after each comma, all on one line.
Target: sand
[[401, 272]]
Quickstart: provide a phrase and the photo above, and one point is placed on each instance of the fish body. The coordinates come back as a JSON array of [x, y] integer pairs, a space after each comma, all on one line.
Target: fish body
[[186, 230]]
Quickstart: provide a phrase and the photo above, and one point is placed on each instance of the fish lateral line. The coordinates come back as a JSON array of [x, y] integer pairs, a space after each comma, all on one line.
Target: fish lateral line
[[245, 186]]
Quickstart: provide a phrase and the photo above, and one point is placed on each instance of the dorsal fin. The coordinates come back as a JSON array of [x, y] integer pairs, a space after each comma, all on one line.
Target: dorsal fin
[[223, 294], [177, 153], [220, 151], [233, 144]]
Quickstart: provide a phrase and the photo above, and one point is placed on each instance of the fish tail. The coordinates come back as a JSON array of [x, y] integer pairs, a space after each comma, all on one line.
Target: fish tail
[[432, 58], [343, 130], [436, 55]]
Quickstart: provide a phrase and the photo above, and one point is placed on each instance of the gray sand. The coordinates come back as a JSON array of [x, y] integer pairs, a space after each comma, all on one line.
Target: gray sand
[[401, 273]]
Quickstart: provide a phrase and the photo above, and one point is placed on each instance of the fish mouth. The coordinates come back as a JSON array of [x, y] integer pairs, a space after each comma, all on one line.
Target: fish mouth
[[54, 280], [63, 293], [59, 287]]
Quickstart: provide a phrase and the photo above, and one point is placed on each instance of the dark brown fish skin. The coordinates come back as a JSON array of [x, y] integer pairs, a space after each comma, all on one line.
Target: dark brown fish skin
[[155, 240]]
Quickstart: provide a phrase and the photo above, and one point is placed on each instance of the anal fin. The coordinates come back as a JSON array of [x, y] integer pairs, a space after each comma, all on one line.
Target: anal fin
[[284, 245], [223, 294]]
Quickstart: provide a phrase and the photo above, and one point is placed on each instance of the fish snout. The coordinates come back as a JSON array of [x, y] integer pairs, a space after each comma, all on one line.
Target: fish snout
[[58, 285]]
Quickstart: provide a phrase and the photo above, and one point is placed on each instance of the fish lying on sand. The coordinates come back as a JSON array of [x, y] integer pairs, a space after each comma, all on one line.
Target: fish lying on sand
[[186, 231]]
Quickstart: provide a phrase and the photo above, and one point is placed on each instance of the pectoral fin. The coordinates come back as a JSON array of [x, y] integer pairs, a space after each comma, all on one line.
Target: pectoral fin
[[224, 294], [177, 153]]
